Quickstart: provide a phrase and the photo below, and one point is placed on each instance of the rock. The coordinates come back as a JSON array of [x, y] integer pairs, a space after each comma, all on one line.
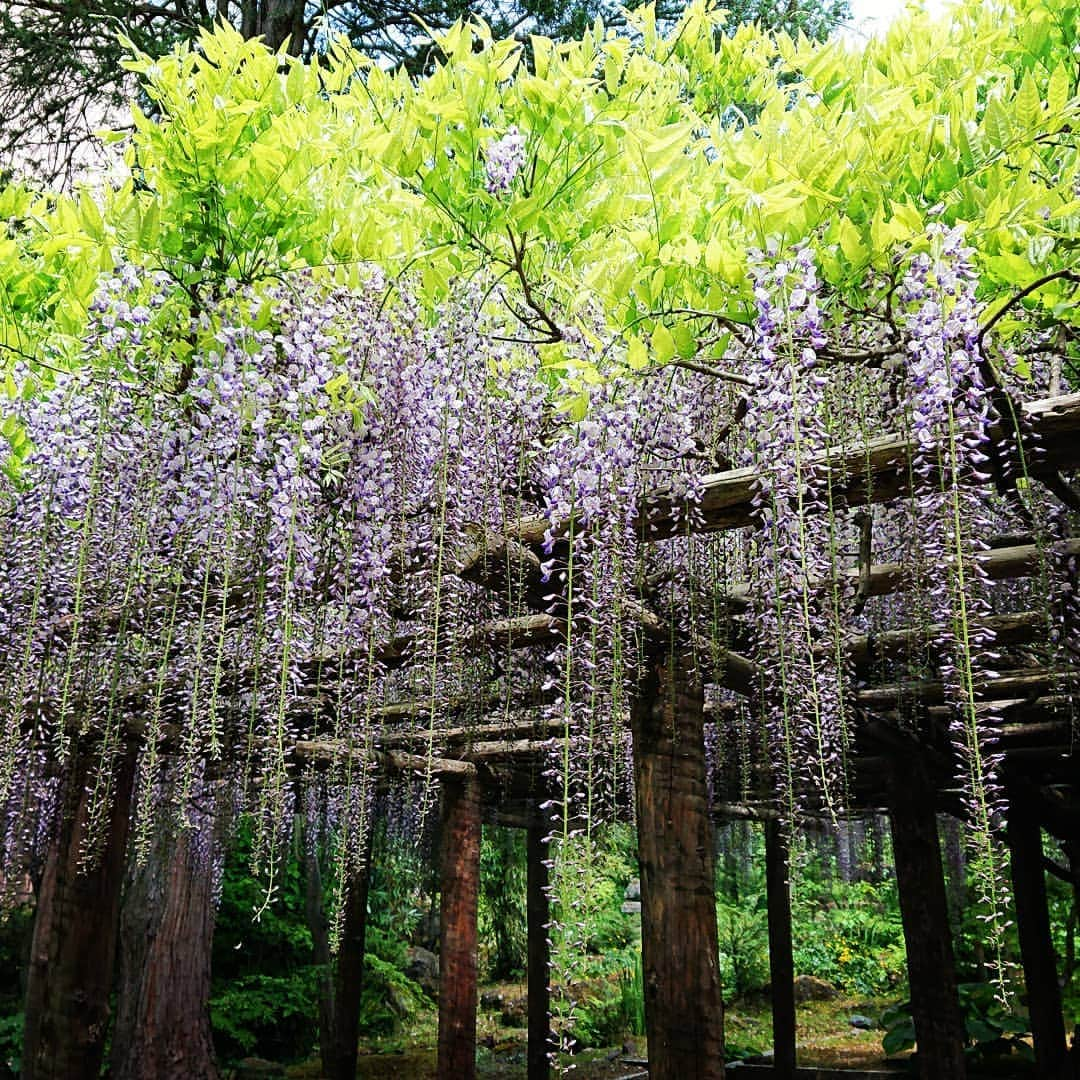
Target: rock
[[631, 907], [633, 890], [426, 932], [515, 1014], [422, 966], [254, 1068], [400, 1001], [863, 1023], [811, 988], [491, 1001]]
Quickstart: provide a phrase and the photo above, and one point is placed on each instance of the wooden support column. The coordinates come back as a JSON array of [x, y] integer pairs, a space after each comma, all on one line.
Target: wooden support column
[[73, 952], [684, 1015], [1033, 930], [349, 973], [781, 960], [457, 958], [935, 1003], [541, 1044]]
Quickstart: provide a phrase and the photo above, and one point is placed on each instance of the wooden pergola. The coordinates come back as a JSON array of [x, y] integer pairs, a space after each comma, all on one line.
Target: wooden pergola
[[495, 772]]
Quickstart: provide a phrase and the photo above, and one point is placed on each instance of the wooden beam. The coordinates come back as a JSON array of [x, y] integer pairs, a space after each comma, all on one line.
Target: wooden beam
[[1033, 929], [1005, 685], [935, 1003], [541, 1045], [872, 472], [684, 1013], [458, 994], [781, 959], [328, 752]]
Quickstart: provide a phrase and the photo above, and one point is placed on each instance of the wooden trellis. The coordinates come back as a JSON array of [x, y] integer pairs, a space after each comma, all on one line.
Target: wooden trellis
[[495, 770]]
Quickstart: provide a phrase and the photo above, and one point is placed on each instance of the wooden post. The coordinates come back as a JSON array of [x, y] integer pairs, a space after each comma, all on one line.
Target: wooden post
[[1036, 947], [684, 1015], [73, 952], [935, 1003], [781, 961], [349, 973], [539, 967], [457, 960]]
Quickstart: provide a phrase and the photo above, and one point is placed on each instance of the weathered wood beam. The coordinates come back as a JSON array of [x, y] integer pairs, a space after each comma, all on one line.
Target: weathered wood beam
[[1007, 685], [507, 748], [329, 752], [999, 564], [1017, 629], [935, 1002], [1033, 930], [458, 993], [541, 1045], [871, 472], [781, 957], [684, 1013]]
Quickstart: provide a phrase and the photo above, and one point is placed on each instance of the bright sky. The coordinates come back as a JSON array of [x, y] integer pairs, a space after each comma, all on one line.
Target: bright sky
[[875, 15]]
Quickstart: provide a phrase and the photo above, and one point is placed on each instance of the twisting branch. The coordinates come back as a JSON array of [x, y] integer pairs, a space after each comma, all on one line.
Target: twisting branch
[[705, 369], [1057, 275], [517, 265]]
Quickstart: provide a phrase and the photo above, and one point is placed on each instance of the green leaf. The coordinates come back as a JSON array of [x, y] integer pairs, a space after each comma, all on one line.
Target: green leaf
[[898, 1039], [996, 124], [663, 343], [1058, 89], [1028, 103], [637, 356]]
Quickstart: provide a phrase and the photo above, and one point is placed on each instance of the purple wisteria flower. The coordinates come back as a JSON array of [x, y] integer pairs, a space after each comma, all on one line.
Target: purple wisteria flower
[[504, 158]]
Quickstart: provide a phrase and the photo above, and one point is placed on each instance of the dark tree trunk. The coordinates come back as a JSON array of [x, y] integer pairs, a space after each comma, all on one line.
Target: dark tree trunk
[[163, 1021], [1036, 946], [349, 974], [281, 19], [684, 1014], [956, 888], [935, 1003], [781, 961], [539, 966], [315, 915], [457, 962], [73, 951]]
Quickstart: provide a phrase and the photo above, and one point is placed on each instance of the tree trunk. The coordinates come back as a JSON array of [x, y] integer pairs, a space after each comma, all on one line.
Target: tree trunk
[[163, 1022], [781, 961], [457, 962], [684, 1015], [73, 951], [280, 20], [349, 974], [315, 915], [935, 1003]]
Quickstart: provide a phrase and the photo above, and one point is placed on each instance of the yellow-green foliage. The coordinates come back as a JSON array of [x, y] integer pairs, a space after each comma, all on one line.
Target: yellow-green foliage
[[655, 160]]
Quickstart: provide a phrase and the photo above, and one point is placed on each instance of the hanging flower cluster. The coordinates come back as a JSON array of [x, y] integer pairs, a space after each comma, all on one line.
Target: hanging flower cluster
[[806, 711], [504, 158]]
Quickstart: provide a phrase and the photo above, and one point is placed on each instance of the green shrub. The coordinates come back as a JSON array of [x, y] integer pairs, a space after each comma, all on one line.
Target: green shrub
[[850, 935], [992, 1030], [11, 1032], [267, 1015], [388, 999], [743, 932]]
